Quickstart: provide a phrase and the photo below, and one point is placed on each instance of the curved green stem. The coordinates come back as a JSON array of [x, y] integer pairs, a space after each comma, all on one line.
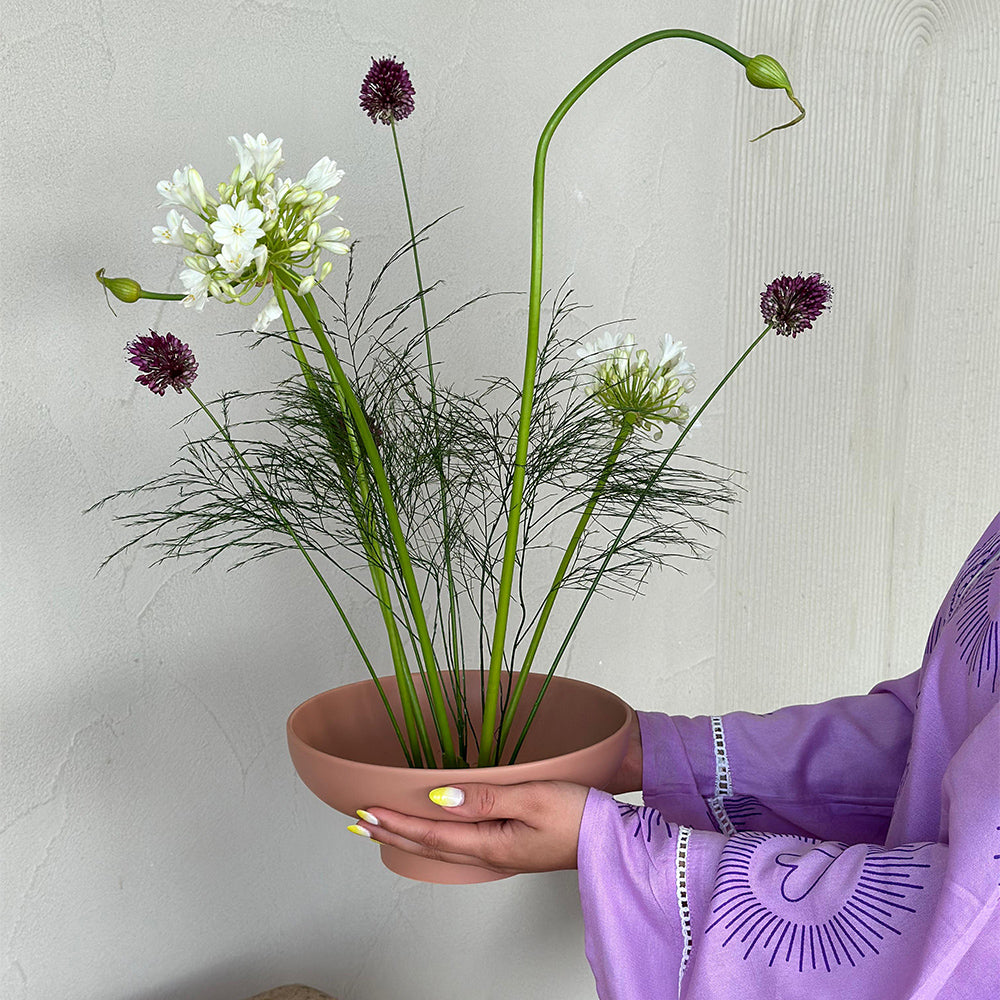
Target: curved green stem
[[531, 361]]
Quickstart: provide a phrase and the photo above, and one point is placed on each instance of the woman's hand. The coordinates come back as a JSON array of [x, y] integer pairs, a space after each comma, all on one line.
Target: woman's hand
[[531, 827]]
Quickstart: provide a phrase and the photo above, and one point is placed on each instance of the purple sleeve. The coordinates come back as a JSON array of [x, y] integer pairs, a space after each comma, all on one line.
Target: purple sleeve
[[830, 770], [671, 911]]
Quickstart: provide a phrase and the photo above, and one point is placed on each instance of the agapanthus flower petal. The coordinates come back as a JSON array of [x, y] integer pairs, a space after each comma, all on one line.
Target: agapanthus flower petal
[[238, 226], [386, 93], [162, 361], [791, 304], [625, 383]]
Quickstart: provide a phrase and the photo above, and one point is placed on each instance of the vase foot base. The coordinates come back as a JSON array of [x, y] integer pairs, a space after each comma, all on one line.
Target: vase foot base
[[440, 872]]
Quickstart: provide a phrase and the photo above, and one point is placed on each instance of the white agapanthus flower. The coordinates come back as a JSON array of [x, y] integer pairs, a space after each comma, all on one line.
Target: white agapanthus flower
[[196, 284], [323, 175], [238, 227], [257, 157], [632, 390], [259, 230], [186, 189], [176, 232], [267, 315]]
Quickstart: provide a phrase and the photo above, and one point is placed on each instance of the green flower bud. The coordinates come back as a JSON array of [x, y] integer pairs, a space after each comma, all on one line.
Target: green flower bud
[[123, 289], [766, 72]]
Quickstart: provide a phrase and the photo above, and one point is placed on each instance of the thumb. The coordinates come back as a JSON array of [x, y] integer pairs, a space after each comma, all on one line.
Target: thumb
[[483, 802]]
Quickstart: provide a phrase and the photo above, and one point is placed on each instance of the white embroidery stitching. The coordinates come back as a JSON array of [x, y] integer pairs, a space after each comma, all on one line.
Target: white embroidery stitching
[[723, 779], [683, 906]]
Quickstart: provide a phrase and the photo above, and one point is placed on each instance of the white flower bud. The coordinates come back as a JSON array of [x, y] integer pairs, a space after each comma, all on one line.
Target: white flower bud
[[300, 247], [297, 194], [306, 284], [197, 186], [203, 244], [315, 197], [312, 233], [325, 270]]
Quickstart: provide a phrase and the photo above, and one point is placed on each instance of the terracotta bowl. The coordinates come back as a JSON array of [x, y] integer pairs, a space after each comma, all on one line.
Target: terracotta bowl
[[344, 749]]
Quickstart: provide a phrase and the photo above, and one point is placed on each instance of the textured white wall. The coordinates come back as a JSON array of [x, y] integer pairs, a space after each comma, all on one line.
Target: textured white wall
[[155, 841]]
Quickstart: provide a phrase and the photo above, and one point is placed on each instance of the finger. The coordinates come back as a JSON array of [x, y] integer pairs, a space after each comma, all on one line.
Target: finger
[[442, 840], [475, 801]]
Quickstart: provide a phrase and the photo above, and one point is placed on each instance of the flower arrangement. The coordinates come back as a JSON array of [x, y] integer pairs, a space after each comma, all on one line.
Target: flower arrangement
[[434, 500]]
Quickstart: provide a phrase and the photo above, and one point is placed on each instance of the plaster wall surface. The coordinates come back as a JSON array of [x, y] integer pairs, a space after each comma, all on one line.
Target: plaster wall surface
[[155, 842]]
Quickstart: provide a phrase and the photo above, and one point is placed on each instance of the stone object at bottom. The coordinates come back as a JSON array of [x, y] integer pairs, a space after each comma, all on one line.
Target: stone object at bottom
[[296, 991]]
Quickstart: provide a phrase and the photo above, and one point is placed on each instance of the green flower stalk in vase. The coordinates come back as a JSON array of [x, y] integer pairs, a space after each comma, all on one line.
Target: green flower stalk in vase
[[431, 499]]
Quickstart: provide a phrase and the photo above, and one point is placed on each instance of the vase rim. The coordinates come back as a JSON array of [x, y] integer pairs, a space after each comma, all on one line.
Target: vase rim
[[442, 773]]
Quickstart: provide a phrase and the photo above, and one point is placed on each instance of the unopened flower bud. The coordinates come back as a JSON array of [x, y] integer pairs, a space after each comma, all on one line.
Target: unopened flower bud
[[197, 186], [324, 271], [306, 284], [312, 233], [203, 244], [123, 289], [315, 197], [766, 72], [300, 247], [297, 194]]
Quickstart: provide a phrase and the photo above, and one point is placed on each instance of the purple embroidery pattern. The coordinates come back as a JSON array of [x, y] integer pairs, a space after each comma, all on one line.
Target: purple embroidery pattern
[[978, 633], [855, 927], [646, 818], [741, 808]]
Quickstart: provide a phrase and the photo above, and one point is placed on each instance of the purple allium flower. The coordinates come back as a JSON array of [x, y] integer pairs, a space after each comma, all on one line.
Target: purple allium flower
[[387, 94], [162, 361], [792, 304]]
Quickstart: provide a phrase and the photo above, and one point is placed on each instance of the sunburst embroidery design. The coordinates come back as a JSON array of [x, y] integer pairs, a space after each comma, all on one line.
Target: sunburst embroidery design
[[646, 819], [857, 924], [977, 631]]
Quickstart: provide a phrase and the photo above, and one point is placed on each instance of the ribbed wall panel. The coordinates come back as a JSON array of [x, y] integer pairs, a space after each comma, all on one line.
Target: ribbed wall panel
[[864, 436]]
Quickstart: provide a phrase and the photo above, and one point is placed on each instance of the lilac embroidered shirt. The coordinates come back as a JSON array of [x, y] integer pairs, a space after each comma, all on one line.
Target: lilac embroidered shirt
[[847, 850]]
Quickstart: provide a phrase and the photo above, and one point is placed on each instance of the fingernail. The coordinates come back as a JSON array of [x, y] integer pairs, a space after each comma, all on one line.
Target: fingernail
[[447, 796], [367, 817], [359, 830]]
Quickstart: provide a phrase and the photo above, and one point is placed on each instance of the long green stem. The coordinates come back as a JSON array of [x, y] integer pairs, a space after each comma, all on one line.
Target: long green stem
[[309, 559], [511, 707], [307, 306], [531, 361], [456, 649], [415, 728], [641, 499]]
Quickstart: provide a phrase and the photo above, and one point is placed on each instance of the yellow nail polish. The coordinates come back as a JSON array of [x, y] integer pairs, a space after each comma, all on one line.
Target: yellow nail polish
[[447, 796], [367, 817], [359, 830]]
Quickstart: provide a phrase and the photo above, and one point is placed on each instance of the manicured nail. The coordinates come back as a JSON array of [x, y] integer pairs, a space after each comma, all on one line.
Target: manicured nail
[[367, 817], [359, 830], [447, 796]]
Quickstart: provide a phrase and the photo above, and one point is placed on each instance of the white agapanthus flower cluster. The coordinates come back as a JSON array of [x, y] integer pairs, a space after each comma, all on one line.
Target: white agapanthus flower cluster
[[631, 389], [260, 229]]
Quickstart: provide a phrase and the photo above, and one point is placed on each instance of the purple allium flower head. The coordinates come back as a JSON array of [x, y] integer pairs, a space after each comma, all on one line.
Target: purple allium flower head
[[162, 362], [792, 304], [387, 94]]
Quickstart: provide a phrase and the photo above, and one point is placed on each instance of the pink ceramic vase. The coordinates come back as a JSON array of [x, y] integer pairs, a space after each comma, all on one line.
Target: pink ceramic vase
[[345, 750]]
